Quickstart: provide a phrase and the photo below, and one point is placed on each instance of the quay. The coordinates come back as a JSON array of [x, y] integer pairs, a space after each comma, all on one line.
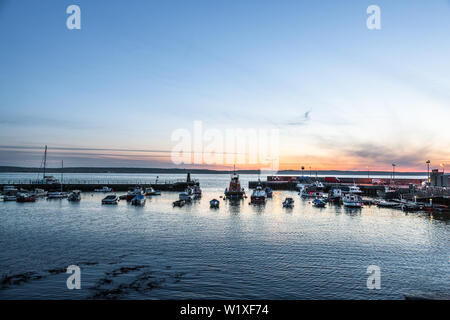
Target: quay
[[91, 184]]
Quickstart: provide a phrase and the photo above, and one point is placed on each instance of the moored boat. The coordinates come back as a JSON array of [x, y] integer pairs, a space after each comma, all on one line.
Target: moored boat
[[258, 196], [351, 200], [74, 196], [234, 190], [56, 195], [187, 195], [335, 195], [388, 204], [138, 200], [110, 199], [152, 192], [288, 203], [133, 193], [268, 191], [318, 203], [25, 197], [214, 203], [179, 203], [104, 189], [197, 192]]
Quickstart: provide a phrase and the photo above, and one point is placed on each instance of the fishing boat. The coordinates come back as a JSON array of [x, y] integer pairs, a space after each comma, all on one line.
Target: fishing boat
[[179, 203], [268, 191], [335, 195], [258, 196], [288, 203], [152, 192], [352, 200], [138, 200], [104, 189], [25, 197], [74, 196], [110, 199], [214, 203], [234, 190], [187, 195], [314, 195], [318, 203]]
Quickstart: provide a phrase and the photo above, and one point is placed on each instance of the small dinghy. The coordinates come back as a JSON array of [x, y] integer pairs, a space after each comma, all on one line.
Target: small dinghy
[[214, 203], [179, 203], [111, 199], [288, 203], [319, 203]]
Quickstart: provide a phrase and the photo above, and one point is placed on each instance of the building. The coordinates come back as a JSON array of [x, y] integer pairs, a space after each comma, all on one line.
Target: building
[[440, 179]]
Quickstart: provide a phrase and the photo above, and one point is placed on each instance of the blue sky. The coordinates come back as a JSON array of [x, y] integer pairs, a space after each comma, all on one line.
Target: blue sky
[[138, 70]]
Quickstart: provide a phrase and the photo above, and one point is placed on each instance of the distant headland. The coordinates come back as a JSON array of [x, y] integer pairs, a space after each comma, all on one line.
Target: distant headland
[[6, 169]]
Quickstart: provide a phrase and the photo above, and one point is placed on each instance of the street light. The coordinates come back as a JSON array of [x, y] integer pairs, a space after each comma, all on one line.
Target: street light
[[368, 172]]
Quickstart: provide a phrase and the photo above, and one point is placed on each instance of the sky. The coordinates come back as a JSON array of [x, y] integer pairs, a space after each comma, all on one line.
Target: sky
[[114, 92]]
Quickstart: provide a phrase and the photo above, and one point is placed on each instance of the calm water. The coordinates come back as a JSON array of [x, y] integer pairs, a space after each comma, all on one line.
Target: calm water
[[243, 252]]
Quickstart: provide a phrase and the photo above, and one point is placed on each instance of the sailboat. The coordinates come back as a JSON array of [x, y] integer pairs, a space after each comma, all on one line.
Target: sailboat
[[60, 194], [46, 179]]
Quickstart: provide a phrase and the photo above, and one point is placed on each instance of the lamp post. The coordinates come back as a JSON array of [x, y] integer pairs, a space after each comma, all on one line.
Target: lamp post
[[368, 172], [303, 170], [428, 169]]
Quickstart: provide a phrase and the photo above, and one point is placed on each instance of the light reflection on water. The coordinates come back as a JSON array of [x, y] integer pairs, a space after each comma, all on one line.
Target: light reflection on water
[[236, 251]]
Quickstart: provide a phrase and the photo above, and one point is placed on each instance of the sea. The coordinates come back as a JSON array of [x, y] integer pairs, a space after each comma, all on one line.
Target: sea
[[238, 251]]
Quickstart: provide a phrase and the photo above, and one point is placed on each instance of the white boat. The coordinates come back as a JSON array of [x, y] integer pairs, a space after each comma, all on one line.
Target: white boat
[[314, 195], [9, 198], [103, 189], [319, 185], [138, 200], [187, 195], [133, 193], [10, 190], [258, 196], [335, 195], [39, 193], [354, 189], [352, 200], [301, 187], [56, 195], [388, 204], [110, 199], [75, 196]]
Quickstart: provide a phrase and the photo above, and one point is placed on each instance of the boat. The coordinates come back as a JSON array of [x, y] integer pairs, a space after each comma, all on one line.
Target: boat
[[288, 203], [46, 179], [214, 203], [234, 190], [187, 195], [38, 193], [354, 189], [152, 192], [179, 203], [352, 200], [268, 191], [387, 204], [56, 195], [10, 190], [138, 200], [335, 195], [388, 193], [74, 196], [319, 203], [314, 194], [103, 189], [318, 185], [258, 195], [25, 197], [110, 199], [9, 198], [133, 193], [412, 206], [197, 192]]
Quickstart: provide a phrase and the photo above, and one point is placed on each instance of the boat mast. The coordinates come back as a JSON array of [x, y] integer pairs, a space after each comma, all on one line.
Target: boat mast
[[45, 161], [62, 169]]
